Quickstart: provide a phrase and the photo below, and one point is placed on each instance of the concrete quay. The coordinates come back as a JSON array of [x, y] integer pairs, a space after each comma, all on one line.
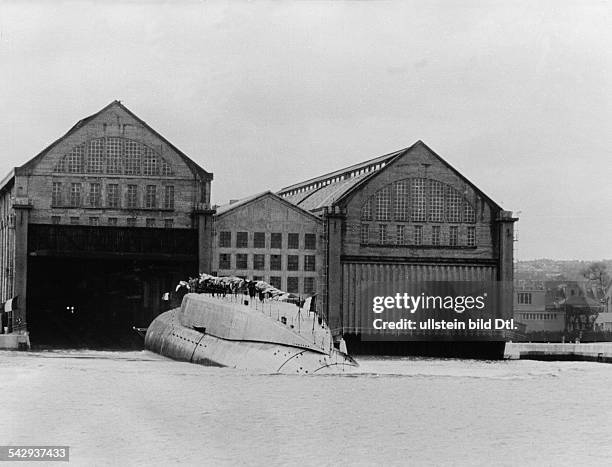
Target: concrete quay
[[594, 352]]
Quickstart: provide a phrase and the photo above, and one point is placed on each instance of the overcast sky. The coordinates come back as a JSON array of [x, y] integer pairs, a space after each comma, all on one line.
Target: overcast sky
[[516, 95]]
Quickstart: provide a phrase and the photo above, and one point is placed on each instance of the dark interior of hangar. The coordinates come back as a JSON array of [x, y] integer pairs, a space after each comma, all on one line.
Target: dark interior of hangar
[[95, 303]]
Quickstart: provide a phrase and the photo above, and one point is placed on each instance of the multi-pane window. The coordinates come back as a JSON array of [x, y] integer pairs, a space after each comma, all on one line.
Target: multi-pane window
[[419, 202], [131, 222], [366, 210], [401, 207], [150, 164], [309, 285], [294, 241], [225, 261], [435, 235], [112, 221], [56, 194], [365, 234], [165, 168], [96, 155], [292, 262], [75, 160], [524, 298], [168, 223], [242, 239], [292, 284], [309, 263], [400, 234], [436, 201], [259, 262], [75, 220], [259, 240], [169, 197], [150, 196], [383, 204], [132, 158], [275, 263], [95, 195], [471, 236], [150, 222], [132, 196], [418, 234], [453, 206], [55, 219], [383, 234], [113, 155], [468, 213], [310, 241], [112, 195], [75, 194], [225, 239], [94, 221], [275, 281], [453, 235], [276, 240], [241, 261]]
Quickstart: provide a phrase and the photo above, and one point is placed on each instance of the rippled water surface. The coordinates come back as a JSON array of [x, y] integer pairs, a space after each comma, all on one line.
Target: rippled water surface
[[135, 408]]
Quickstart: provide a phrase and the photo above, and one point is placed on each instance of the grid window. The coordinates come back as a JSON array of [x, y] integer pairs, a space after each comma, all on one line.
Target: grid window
[[366, 210], [453, 206], [56, 194], [276, 240], [113, 155], [168, 223], [293, 262], [112, 221], [383, 202], [365, 234], [165, 168], [400, 234], [275, 263], [401, 206], [294, 241], [418, 234], [75, 160], [468, 213], [169, 197], [242, 239], [150, 222], [75, 194], [131, 222], [96, 155], [383, 234], [112, 195], [55, 220], [242, 261], [94, 221], [275, 281], [259, 262], [225, 261], [435, 235], [310, 242], [132, 158], [453, 239], [259, 240], [150, 196], [75, 221], [150, 163], [436, 201], [95, 195], [132, 196], [309, 263], [292, 285], [419, 204], [225, 239], [524, 298], [471, 236], [309, 285]]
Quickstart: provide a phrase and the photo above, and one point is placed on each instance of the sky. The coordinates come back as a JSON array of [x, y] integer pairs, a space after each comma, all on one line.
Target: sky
[[516, 95]]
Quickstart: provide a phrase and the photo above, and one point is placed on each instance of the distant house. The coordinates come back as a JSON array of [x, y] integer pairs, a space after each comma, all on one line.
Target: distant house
[[530, 308]]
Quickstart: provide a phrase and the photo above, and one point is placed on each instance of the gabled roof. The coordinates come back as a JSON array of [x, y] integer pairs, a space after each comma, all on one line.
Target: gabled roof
[[190, 163], [226, 208], [329, 189]]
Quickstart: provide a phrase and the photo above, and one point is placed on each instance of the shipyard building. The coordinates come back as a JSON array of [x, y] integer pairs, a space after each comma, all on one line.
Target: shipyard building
[[95, 228]]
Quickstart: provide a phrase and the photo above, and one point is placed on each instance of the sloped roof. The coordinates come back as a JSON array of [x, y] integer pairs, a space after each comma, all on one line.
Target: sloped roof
[[229, 206], [226, 208]]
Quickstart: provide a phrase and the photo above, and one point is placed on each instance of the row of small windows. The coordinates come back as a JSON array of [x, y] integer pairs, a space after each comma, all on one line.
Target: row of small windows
[[292, 284], [73, 195], [538, 316], [435, 235], [261, 262], [418, 200], [524, 298], [114, 221], [259, 240], [113, 155]]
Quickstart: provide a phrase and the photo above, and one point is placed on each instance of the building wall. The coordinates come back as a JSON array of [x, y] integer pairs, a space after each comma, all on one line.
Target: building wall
[[7, 245], [269, 214]]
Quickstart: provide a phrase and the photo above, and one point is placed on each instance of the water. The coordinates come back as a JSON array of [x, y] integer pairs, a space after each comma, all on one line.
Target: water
[[136, 408]]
